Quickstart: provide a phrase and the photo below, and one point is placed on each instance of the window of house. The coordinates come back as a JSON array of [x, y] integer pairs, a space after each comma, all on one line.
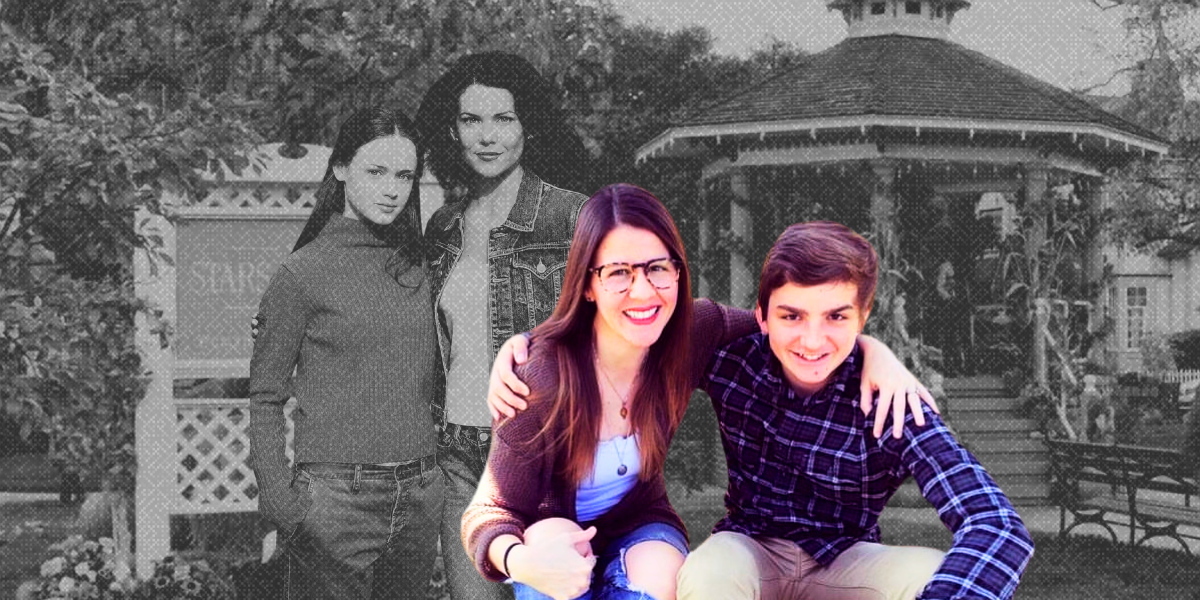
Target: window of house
[[912, 8], [1136, 302], [878, 8], [939, 12]]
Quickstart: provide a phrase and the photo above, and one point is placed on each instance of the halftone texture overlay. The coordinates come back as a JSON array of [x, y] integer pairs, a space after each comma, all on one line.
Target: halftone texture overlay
[[947, 153]]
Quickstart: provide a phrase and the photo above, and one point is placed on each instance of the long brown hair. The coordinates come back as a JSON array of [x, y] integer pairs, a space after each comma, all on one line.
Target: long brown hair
[[662, 385]]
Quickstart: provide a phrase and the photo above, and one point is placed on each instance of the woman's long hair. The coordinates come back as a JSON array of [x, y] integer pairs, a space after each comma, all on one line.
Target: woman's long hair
[[362, 127], [662, 386], [552, 150]]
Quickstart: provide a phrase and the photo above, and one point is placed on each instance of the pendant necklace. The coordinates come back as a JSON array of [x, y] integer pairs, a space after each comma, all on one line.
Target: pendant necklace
[[624, 399], [621, 470]]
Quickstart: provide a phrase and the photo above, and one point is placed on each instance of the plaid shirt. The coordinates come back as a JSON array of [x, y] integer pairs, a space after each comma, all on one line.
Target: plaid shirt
[[811, 471]]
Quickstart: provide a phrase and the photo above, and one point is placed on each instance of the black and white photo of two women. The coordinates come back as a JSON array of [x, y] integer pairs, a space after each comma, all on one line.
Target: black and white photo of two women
[[275, 275]]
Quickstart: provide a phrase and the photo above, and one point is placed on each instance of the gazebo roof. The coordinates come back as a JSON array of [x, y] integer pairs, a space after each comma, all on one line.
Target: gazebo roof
[[897, 80]]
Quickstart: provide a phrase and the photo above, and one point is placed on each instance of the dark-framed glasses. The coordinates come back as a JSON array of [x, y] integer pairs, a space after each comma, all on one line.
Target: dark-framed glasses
[[617, 277]]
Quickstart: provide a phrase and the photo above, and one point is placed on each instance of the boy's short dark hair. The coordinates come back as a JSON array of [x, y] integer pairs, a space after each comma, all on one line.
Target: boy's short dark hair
[[816, 253]]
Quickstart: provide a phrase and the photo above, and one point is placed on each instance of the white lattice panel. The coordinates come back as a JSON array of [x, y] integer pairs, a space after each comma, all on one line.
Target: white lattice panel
[[266, 197], [212, 447]]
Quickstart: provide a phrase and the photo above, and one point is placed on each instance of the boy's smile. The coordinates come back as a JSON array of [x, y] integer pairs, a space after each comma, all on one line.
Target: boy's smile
[[812, 330]]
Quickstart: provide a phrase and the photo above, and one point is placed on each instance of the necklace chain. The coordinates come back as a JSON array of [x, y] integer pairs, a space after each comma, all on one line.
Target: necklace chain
[[622, 469], [624, 399]]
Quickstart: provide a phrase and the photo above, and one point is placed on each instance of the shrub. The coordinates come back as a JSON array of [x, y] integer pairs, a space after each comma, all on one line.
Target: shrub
[[1157, 356], [1186, 346], [1143, 393], [1037, 402]]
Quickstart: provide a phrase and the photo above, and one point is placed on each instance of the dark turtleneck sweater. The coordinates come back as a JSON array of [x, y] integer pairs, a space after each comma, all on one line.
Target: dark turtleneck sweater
[[364, 350]]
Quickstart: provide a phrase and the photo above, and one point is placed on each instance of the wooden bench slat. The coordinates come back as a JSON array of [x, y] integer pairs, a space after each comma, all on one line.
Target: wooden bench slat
[[1165, 512], [1108, 503]]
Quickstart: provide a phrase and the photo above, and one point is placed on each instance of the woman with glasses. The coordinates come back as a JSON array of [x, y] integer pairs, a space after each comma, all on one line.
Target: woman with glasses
[[610, 377]]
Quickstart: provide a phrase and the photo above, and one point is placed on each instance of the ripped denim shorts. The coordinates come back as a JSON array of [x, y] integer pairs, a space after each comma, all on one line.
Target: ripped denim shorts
[[610, 579]]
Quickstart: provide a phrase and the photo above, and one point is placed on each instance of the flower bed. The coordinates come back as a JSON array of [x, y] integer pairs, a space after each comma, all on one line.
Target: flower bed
[[87, 569]]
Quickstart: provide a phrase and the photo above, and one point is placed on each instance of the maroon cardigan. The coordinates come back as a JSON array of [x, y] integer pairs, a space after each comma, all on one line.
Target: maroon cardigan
[[520, 486]]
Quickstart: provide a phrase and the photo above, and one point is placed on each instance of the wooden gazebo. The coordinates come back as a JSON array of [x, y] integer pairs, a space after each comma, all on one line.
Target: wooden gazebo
[[895, 119], [894, 105]]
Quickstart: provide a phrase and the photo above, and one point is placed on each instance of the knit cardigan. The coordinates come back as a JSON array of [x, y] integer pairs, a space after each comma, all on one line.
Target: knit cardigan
[[520, 485]]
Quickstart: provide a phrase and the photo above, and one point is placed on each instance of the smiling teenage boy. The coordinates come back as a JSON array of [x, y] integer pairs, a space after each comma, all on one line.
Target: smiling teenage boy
[[807, 477]]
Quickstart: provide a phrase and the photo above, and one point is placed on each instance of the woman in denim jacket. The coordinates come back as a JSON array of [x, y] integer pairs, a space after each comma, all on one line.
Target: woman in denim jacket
[[500, 147]]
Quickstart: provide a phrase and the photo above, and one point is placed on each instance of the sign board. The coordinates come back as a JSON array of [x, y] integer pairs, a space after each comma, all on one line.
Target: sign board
[[223, 266]]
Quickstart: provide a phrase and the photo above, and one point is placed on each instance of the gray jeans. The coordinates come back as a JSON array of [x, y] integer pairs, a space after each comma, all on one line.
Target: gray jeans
[[462, 453], [367, 531]]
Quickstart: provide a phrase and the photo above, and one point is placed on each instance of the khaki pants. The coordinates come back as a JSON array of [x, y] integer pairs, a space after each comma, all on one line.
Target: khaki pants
[[733, 566]]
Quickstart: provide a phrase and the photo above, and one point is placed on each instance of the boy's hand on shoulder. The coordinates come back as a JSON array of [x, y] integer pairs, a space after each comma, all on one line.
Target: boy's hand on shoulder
[[896, 400]]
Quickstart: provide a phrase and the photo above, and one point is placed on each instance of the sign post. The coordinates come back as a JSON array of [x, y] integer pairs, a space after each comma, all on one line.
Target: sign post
[[205, 281]]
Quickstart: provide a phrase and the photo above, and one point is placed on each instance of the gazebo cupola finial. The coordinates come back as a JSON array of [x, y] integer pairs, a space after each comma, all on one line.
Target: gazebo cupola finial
[[916, 18]]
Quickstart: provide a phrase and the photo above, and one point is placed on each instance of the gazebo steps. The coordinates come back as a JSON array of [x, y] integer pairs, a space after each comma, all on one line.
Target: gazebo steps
[[984, 417], [1017, 465], [982, 448], [989, 403], [958, 386], [967, 425]]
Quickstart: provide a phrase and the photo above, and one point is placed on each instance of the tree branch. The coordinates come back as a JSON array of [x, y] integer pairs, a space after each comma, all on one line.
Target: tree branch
[[1111, 78]]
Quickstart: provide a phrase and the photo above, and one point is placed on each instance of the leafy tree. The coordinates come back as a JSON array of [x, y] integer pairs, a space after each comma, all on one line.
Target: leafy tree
[[300, 64], [1158, 206], [104, 106], [77, 162]]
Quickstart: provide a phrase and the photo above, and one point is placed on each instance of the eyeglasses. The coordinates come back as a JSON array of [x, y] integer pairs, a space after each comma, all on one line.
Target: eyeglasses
[[617, 277]]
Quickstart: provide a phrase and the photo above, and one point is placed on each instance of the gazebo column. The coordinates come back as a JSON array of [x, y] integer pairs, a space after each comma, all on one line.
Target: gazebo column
[[883, 236], [1093, 198], [742, 280], [703, 285], [1036, 178]]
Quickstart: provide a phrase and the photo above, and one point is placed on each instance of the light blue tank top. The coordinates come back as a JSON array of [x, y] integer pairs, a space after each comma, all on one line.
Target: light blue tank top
[[604, 488]]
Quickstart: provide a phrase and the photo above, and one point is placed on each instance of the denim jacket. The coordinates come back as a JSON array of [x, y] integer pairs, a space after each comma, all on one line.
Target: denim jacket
[[527, 257]]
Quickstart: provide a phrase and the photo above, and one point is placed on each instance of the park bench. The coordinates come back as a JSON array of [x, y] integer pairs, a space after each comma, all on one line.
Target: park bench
[[1151, 487]]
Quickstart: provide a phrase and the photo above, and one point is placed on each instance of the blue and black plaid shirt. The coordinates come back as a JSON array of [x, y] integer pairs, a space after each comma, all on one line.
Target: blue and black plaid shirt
[[810, 470]]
